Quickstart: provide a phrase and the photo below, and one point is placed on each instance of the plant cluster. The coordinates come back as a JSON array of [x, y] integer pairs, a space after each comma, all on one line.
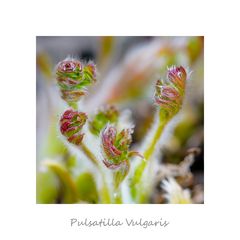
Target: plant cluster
[[121, 173]]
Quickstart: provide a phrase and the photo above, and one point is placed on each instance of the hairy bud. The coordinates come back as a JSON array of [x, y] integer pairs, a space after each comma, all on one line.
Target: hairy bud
[[71, 124], [169, 95], [116, 151], [115, 146], [72, 77], [108, 114]]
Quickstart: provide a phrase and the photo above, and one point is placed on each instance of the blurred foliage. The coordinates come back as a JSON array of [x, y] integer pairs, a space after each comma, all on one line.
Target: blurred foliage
[[47, 187], [44, 64], [195, 48], [105, 50], [86, 187], [69, 193]]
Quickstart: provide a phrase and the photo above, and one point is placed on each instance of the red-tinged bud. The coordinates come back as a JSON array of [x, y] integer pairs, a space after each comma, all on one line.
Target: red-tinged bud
[[115, 146], [108, 140], [116, 153], [71, 124], [169, 95], [72, 77]]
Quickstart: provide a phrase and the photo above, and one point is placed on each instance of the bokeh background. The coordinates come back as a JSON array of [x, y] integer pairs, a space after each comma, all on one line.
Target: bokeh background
[[128, 68]]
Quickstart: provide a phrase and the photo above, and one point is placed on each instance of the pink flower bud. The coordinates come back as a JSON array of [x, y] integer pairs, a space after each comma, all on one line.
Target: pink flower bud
[[71, 124], [73, 77], [115, 146], [116, 152], [169, 95], [108, 139]]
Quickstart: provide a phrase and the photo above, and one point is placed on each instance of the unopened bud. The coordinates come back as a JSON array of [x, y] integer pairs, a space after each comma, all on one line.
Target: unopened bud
[[72, 77], [169, 95], [71, 124], [108, 114], [116, 151]]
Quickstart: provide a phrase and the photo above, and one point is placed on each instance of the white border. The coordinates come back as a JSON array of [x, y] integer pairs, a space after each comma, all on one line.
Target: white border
[[22, 20]]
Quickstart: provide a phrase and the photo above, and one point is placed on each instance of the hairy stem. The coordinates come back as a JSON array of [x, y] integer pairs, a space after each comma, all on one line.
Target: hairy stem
[[150, 150], [73, 105], [137, 191], [89, 154]]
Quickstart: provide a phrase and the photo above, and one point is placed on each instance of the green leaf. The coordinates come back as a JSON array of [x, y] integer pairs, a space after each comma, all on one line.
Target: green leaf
[[86, 187], [69, 190], [47, 187]]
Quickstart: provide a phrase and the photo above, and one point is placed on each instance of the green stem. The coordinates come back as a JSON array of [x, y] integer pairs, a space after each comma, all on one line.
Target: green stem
[[89, 154], [104, 191], [150, 150], [73, 105], [136, 189]]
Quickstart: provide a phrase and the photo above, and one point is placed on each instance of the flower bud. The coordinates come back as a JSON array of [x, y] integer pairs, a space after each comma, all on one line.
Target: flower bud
[[108, 114], [169, 96], [72, 77], [71, 124], [115, 146], [116, 151]]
